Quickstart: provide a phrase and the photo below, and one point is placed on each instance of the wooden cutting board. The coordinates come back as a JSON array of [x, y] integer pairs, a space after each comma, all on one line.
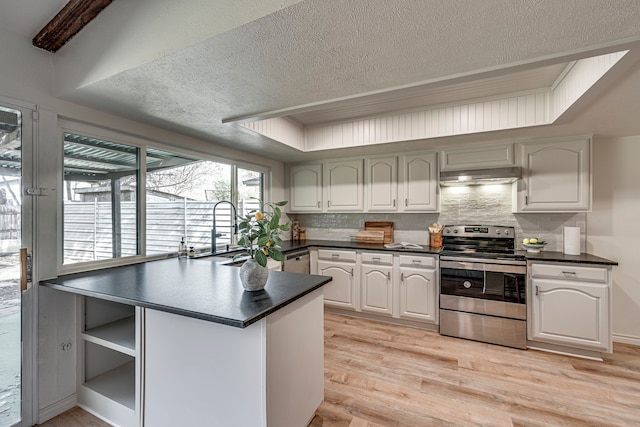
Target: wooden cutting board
[[386, 226], [369, 236]]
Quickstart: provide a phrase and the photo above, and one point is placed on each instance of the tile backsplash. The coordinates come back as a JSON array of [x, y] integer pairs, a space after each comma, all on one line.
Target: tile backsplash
[[481, 204]]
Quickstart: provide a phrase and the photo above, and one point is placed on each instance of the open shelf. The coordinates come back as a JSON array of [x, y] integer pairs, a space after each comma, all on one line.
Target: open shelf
[[118, 385], [119, 335]]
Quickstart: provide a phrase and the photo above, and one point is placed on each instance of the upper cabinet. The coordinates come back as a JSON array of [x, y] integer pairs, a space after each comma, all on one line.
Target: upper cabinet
[[454, 159], [306, 188], [419, 182], [556, 176], [407, 183], [381, 177], [344, 185]]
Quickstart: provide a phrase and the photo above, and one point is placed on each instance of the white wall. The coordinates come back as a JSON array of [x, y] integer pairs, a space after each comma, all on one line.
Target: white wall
[[612, 227]]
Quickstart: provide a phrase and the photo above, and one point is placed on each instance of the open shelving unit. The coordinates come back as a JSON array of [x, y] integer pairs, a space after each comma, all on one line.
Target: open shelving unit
[[109, 355]]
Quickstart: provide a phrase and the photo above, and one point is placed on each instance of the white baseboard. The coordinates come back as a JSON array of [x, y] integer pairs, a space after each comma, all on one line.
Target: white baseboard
[[55, 409], [625, 339]]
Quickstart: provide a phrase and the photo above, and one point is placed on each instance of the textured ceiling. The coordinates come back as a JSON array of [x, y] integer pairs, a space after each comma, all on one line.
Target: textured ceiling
[[319, 51]]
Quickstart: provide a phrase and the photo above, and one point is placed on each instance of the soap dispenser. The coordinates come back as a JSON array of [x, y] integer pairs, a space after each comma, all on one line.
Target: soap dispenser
[[182, 249]]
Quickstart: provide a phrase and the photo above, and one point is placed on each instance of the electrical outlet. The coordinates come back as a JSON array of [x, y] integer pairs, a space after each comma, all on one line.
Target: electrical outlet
[[361, 223], [582, 225]]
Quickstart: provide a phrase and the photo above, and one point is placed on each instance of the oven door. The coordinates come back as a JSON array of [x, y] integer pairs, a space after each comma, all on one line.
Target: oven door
[[497, 282]]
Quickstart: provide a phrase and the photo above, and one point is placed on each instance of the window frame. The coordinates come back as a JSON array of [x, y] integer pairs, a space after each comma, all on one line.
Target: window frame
[[92, 131]]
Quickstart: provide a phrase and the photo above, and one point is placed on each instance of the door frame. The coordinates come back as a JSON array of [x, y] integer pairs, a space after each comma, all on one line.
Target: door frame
[[29, 323]]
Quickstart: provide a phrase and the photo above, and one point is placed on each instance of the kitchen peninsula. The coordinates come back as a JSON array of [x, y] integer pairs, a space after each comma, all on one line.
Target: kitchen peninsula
[[179, 342]]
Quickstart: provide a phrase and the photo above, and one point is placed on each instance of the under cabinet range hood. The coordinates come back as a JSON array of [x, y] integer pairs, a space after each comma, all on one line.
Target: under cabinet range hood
[[504, 175]]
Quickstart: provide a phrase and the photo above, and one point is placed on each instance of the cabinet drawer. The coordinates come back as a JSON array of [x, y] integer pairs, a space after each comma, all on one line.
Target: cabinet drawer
[[417, 261], [376, 258], [330, 254], [569, 272]]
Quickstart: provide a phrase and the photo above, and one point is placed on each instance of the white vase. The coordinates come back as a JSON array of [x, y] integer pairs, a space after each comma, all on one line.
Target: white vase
[[253, 276]]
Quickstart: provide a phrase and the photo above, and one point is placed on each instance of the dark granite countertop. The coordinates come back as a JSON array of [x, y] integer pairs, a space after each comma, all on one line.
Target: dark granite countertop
[[189, 287], [585, 258], [552, 256], [290, 245]]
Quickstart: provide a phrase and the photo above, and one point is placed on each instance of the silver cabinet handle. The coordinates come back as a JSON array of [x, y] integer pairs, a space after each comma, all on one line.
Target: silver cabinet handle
[[376, 259], [526, 200], [328, 203], [335, 255], [394, 203], [318, 204], [569, 273], [416, 261], [389, 275], [352, 272], [406, 202], [402, 277], [536, 290]]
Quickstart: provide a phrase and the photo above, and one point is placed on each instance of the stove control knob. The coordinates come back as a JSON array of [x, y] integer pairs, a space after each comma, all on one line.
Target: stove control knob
[[466, 284], [455, 230], [497, 231], [447, 230], [506, 232]]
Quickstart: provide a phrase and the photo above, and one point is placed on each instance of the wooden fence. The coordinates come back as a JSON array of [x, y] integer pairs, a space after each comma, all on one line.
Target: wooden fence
[[88, 228]]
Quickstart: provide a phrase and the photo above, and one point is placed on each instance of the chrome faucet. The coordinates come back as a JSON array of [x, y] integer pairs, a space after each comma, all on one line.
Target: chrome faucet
[[233, 226]]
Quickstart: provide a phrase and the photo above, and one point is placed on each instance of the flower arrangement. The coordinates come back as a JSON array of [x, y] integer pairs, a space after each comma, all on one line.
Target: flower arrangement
[[260, 232]]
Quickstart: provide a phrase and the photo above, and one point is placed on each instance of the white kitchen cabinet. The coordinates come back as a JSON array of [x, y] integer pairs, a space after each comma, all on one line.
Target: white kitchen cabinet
[[482, 157], [343, 290], [419, 182], [305, 188], [344, 185], [376, 283], [418, 288], [110, 361], [381, 180], [555, 176], [570, 306]]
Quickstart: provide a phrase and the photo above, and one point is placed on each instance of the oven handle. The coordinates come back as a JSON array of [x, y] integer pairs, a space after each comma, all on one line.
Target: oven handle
[[499, 268]]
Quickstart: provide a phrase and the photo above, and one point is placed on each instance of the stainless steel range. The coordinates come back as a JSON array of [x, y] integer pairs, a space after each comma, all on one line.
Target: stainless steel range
[[483, 285]]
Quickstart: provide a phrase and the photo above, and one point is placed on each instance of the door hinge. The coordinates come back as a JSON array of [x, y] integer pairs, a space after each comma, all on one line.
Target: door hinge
[[35, 191]]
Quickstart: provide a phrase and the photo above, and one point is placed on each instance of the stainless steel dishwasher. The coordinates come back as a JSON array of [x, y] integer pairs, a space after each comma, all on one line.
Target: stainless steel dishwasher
[[297, 262]]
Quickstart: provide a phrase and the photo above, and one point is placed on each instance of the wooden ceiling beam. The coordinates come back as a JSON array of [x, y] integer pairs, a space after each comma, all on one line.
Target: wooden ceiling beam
[[68, 22]]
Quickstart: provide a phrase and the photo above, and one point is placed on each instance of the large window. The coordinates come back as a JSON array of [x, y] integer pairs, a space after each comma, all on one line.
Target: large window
[[182, 200], [100, 190]]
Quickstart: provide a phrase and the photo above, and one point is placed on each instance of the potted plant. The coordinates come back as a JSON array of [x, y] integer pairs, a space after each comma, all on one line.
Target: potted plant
[[260, 234]]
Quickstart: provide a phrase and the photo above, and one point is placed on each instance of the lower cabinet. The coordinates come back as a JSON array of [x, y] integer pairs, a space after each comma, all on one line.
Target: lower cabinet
[[418, 288], [380, 283], [570, 306], [342, 291], [376, 283]]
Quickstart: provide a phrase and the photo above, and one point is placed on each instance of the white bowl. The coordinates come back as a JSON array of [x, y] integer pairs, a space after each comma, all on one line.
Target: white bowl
[[535, 248]]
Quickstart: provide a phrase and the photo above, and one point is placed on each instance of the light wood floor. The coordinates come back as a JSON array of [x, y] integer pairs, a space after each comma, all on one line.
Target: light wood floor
[[378, 374]]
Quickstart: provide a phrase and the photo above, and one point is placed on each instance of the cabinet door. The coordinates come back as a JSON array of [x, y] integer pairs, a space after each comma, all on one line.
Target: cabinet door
[[555, 176], [570, 313], [419, 183], [381, 178], [340, 292], [344, 185], [377, 289], [306, 188], [418, 294]]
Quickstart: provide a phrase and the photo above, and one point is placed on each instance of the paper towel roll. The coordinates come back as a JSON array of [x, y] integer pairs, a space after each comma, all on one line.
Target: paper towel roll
[[571, 237]]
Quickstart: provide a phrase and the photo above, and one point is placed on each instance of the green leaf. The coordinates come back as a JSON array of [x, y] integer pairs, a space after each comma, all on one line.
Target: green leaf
[[262, 241], [284, 227], [274, 222], [261, 258], [282, 203], [276, 254]]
